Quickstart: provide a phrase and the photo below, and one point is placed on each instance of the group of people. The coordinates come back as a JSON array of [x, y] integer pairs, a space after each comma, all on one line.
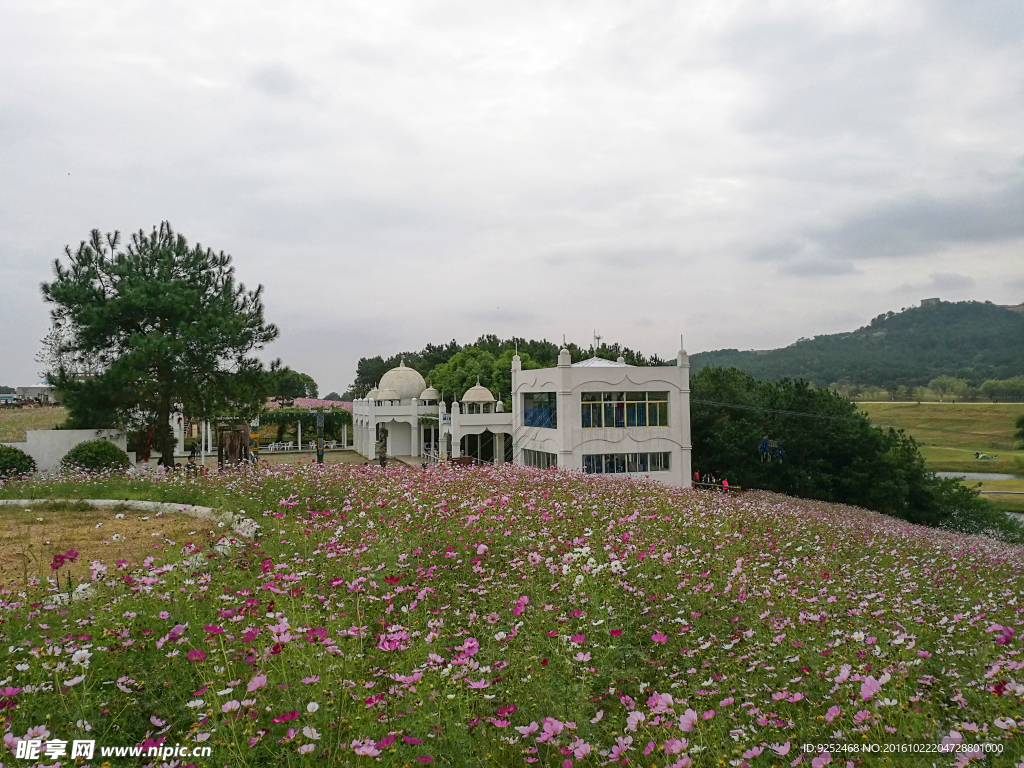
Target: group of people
[[710, 479]]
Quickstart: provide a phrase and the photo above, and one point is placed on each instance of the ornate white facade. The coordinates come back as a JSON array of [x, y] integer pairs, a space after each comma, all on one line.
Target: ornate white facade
[[596, 415]]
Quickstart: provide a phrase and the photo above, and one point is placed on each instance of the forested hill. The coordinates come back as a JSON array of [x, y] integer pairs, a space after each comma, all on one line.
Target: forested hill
[[968, 340]]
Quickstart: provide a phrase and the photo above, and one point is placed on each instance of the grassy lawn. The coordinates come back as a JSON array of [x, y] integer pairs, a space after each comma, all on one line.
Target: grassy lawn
[[14, 423], [949, 434], [30, 537]]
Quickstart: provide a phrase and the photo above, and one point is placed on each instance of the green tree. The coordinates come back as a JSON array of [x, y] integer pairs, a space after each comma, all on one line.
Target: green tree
[[162, 327], [332, 396], [462, 371], [7, 390], [1019, 434], [948, 386], [288, 384], [832, 452]]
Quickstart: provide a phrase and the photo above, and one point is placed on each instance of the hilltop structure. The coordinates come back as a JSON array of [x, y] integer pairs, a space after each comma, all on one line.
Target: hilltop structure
[[599, 416]]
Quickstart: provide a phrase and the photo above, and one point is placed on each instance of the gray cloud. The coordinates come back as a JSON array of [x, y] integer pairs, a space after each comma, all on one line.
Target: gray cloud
[[396, 172]]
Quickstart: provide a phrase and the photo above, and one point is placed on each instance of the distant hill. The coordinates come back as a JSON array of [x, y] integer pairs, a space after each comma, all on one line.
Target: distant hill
[[968, 340]]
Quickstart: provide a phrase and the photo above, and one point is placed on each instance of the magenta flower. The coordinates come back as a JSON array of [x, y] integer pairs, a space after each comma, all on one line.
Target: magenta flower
[[659, 638], [196, 655]]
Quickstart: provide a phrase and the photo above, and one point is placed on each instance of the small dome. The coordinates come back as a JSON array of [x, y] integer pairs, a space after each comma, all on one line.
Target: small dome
[[478, 394], [386, 393], [430, 394], [407, 382], [372, 394]]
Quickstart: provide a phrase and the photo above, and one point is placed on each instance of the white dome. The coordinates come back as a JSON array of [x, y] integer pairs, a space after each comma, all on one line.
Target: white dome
[[407, 382], [372, 394], [430, 394], [386, 393], [478, 394]]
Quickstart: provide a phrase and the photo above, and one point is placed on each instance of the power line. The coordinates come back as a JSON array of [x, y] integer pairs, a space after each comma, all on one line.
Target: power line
[[839, 418]]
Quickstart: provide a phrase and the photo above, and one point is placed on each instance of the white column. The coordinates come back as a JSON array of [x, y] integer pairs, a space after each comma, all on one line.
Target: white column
[[499, 447], [456, 436], [300, 434], [414, 429]]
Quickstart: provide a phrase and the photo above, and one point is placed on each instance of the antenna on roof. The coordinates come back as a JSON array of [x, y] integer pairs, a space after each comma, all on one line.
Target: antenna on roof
[[563, 340], [597, 341]]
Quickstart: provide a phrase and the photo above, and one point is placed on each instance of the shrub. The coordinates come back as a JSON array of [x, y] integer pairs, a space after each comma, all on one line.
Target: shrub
[[14, 461], [96, 455]]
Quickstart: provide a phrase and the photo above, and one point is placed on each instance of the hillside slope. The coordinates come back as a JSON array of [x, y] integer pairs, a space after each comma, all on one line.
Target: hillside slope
[[969, 340]]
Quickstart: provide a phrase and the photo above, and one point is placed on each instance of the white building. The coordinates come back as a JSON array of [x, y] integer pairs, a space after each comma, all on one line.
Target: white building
[[597, 415]]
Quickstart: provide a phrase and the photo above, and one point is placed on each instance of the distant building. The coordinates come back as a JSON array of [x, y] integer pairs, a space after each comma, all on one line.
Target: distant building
[[40, 392], [599, 416], [930, 302]]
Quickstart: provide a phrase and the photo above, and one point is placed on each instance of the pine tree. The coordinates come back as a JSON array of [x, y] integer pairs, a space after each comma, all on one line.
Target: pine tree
[[152, 329]]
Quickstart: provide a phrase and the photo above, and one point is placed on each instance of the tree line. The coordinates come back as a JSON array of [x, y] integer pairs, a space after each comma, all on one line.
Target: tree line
[[971, 341]]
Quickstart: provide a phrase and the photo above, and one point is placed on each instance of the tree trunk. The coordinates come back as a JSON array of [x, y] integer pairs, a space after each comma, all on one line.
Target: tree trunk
[[163, 439]]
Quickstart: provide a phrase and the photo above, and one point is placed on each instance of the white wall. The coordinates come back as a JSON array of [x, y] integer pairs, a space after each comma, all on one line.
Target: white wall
[[49, 446]]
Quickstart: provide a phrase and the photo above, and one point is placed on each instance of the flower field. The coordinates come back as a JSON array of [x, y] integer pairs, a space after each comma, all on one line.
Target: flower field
[[508, 616]]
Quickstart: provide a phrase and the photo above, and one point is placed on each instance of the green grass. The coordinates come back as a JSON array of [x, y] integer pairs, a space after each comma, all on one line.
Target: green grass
[[950, 433], [14, 423]]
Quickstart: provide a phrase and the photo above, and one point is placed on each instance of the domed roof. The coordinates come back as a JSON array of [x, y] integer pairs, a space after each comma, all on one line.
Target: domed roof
[[387, 393], [430, 394], [407, 382], [372, 394], [478, 394]]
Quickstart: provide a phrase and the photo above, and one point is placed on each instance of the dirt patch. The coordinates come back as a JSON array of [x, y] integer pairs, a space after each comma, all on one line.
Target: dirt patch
[[31, 536]]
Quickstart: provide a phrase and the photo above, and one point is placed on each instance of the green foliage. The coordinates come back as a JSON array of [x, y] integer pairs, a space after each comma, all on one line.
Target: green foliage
[[335, 421], [288, 384], [154, 328], [949, 387], [1004, 390], [96, 455], [1019, 434], [967, 340], [7, 390], [833, 453], [332, 396], [14, 461], [542, 353]]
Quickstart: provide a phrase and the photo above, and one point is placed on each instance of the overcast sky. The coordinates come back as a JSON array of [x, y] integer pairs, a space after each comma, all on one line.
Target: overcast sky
[[397, 173]]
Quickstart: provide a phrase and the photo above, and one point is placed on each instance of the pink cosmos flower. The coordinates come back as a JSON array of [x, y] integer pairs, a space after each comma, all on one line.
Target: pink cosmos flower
[[580, 748], [479, 684], [729, 700], [615, 632], [688, 721], [196, 655], [411, 740], [869, 688], [230, 706], [752, 753], [425, 759], [832, 714], [659, 638], [675, 746], [578, 638], [257, 682], [821, 760], [634, 719], [597, 718], [781, 749], [660, 703], [526, 730], [622, 745]]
